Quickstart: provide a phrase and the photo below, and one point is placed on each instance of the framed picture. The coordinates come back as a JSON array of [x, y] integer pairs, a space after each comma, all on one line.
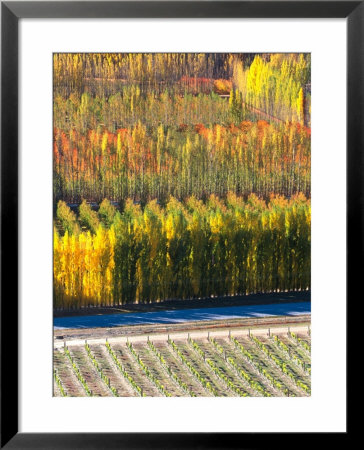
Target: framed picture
[[156, 241]]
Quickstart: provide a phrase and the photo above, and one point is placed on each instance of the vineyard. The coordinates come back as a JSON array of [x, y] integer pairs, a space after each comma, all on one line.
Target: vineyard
[[238, 364]]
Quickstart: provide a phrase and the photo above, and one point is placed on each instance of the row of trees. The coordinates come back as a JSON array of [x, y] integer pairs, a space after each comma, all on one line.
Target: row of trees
[[129, 106], [75, 70], [146, 163], [185, 250], [278, 84], [87, 218], [280, 87], [105, 73]]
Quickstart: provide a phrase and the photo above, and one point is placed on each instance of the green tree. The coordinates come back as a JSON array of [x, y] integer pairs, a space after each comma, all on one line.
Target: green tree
[[107, 213], [67, 218], [88, 218]]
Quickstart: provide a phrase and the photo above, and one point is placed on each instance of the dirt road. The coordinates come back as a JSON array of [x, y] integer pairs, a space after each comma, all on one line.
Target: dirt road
[[265, 331], [129, 332]]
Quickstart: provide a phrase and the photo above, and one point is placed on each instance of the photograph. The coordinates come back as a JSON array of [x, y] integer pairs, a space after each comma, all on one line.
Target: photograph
[[181, 224]]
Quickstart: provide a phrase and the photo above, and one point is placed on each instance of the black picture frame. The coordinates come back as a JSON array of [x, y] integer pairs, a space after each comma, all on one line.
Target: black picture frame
[[11, 12]]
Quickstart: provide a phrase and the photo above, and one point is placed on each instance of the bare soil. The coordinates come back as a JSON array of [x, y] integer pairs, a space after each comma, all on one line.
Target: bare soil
[[135, 330]]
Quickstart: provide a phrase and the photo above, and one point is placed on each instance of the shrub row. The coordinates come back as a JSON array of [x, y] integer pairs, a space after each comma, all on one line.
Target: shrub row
[[59, 384], [104, 378], [282, 365], [216, 370], [147, 372], [78, 373], [206, 384], [294, 357], [196, 347], [125, 374], [170, 372], [226, 380], [250, 358], [300, 341]]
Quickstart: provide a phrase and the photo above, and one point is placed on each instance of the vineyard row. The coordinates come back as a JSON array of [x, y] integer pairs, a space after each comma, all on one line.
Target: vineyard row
[[193, 367]]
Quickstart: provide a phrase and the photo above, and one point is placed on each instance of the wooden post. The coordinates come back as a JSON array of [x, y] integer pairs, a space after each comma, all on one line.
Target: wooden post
[[229, 334], [208, 335], [249, 332], [289, 330], [269, 332]]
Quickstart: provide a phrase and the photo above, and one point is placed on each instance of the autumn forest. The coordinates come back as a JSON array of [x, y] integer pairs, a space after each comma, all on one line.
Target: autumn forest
[[180, 176]]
